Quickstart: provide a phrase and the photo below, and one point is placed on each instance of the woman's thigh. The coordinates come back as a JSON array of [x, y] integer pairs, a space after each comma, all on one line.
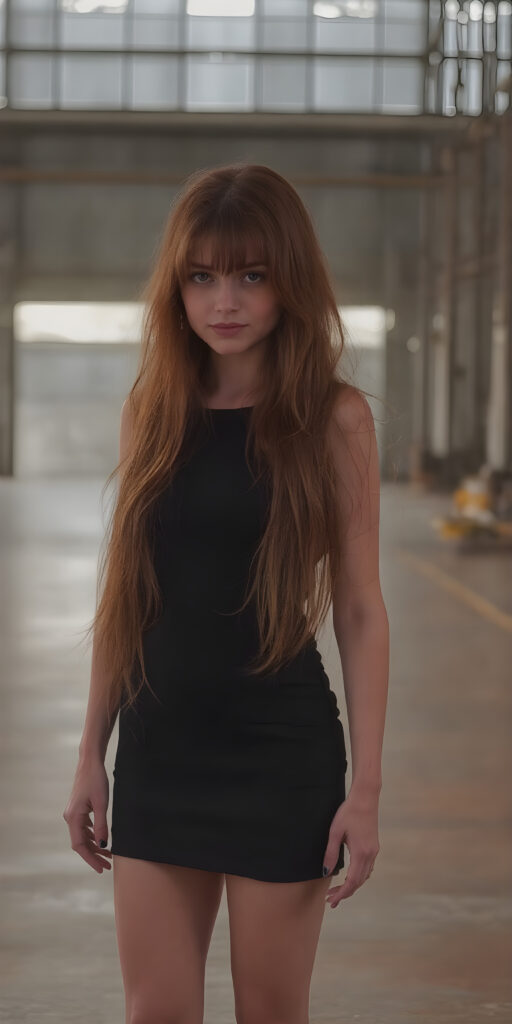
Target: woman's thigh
[[274, 932], [164, 916]]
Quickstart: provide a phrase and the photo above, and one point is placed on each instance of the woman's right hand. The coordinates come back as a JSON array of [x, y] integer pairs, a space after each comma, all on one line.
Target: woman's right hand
[[89, 795]]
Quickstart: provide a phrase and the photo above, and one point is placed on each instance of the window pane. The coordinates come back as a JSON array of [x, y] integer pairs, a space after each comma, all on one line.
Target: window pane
[[288, 8], [37, 6], [30, 79], [504, 31], [90, 81], [449, 84], [166, 7], [474, 37], [281, 34], [402, 86], [472, 98], [343, 84], [404, 38], [351, 34], [404, 10], [283, 84], [405, 29], [32, 27], [450, 42], [155, 31], [91, 30], [489, 36], [219, 85], [503, 72], [223, 33], [155, 82]]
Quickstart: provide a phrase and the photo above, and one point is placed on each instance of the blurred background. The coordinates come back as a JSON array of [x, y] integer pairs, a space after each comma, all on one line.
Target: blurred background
[[393, 120]]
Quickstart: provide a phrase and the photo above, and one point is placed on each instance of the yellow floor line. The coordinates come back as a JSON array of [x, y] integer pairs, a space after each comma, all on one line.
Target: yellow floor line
[[479, 604]]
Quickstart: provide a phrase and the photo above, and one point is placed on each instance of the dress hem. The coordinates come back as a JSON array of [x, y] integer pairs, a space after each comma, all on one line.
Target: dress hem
[[190, 863]]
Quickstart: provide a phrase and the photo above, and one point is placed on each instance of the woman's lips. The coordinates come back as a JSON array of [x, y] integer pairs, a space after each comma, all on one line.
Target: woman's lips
[[232, 329]]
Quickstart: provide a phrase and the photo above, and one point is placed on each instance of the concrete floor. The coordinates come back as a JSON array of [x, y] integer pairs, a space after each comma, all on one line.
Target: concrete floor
[[428, 937]]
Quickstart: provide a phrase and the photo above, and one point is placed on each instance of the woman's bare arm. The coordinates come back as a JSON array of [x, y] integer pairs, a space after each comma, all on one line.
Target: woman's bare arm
[[362, 631], [90, 790], [360, 618]]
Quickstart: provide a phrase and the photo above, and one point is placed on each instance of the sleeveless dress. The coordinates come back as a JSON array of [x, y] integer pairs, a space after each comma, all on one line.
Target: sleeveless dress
[[216, 769]]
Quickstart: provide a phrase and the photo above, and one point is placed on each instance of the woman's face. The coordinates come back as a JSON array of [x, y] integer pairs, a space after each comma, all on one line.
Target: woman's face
[[243, 297]]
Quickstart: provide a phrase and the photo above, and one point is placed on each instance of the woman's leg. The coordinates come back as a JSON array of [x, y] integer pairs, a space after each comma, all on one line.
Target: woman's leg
[[164, 916], [274, 931]]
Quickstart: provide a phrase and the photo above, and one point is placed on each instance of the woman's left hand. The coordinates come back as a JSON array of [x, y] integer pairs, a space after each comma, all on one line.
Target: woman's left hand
[[356, 824]]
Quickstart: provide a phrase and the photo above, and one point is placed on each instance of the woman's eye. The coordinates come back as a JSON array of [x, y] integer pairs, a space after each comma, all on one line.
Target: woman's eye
[[254, 273]]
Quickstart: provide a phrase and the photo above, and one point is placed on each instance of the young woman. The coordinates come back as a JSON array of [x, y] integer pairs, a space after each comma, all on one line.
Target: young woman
[[248, 501]]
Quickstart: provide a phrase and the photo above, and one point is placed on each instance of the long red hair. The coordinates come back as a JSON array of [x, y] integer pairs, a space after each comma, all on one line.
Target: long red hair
[[298, 557]]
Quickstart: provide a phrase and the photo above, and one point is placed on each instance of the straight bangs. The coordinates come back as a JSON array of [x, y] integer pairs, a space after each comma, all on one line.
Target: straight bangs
[[234, 243]]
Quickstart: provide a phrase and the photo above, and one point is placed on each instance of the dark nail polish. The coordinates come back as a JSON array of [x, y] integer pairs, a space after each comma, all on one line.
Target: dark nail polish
[[103, 843], [326, 871]]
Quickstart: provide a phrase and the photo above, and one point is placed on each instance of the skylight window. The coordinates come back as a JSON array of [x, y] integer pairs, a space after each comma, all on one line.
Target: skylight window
[[93, 6], [221, 8], [345, 9]]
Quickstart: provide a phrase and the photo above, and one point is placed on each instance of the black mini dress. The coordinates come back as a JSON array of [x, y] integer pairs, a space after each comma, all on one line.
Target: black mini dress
[[215, 769]]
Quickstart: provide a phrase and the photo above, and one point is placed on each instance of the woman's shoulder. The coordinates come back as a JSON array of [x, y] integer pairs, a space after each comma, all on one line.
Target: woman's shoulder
[[351, 410]]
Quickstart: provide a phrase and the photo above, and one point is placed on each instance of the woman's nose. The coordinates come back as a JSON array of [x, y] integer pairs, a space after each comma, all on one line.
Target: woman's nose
[[226, 295]]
